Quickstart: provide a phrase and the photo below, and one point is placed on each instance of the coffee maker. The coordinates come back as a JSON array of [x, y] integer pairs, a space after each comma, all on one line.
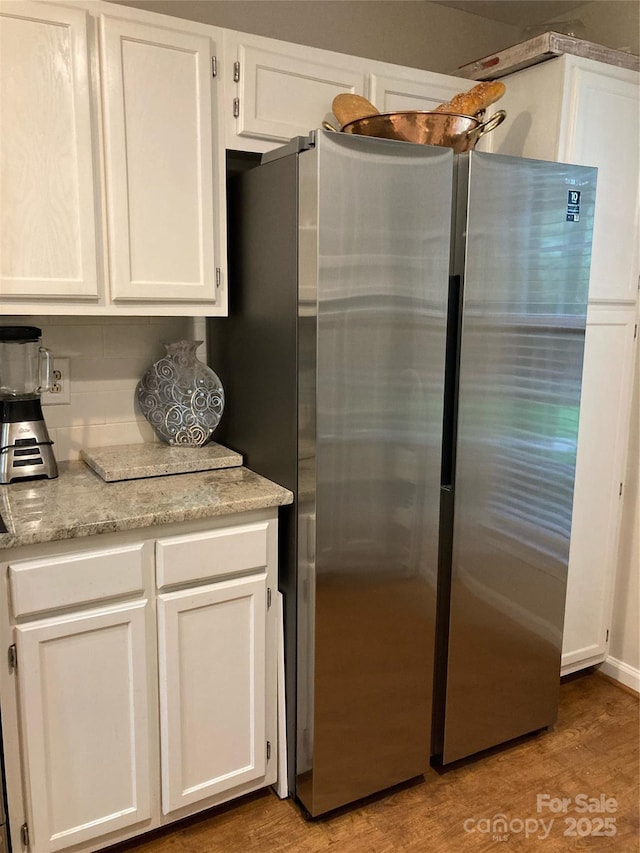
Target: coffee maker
[[25, 371]]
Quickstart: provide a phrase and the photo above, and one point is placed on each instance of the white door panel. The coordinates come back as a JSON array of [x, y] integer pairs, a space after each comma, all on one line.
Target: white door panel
[[85, 724], [212, 689], [159, 154], [47, 208], [602, 442]]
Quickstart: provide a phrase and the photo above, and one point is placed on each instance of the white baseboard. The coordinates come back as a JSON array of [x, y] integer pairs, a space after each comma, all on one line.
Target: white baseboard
[[622, 672]]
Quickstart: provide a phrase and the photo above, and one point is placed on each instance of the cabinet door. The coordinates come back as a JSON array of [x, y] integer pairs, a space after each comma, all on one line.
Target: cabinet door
[[602, 128], [84, 711], [212, 654], [413, 91], [47, 208], [287, 90], [163, 162], [602, 441]]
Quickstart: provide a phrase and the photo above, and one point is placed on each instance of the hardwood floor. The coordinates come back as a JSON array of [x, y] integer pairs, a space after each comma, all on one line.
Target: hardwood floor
[[590, 758]]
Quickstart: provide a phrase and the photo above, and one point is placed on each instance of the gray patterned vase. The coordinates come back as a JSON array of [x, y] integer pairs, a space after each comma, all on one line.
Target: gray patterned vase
[[181, 397]]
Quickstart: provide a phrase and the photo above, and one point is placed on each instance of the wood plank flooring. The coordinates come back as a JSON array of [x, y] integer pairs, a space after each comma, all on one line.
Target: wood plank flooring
[[592, 751]]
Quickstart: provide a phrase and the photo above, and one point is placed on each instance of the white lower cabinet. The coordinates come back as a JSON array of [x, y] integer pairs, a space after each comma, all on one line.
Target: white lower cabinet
[[142, 683], [212, 679], [84, 713], [600, 471]]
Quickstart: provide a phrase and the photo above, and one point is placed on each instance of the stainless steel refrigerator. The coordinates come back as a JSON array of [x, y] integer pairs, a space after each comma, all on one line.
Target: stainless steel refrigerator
[[404, 352]]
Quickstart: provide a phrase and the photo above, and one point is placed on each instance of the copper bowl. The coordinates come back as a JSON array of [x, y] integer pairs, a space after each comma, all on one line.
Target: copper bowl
[[451, 130]]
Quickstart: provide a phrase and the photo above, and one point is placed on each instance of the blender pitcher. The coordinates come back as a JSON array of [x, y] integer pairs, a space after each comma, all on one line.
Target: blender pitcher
[[25, 365], [25, 372]]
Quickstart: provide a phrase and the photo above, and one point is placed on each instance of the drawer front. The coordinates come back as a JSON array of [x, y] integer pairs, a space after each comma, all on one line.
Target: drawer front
[[199, 556], [68, 580]]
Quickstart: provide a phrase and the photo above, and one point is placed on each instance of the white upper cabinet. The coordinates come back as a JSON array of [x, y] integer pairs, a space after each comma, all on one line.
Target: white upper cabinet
[[96, 89], [285, 90], [603, 129], [113, 164], [576, 110], [163, 192], [47, 202], [410, 89]]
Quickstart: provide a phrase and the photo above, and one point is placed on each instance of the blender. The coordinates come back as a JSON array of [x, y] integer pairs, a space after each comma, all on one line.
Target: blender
[[25, 370]]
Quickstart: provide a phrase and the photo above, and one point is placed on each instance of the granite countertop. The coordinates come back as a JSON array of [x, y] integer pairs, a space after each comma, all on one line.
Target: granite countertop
[[136, 461], [80, 503]]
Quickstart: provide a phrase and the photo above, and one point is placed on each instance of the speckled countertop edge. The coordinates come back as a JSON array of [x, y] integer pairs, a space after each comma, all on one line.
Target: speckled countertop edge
[[79, 503]]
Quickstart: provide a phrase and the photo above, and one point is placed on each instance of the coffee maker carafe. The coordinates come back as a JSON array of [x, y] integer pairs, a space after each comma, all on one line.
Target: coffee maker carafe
[[25, 369]]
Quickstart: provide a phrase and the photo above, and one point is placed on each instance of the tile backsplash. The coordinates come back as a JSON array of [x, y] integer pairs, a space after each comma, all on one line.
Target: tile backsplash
[[107, 356]]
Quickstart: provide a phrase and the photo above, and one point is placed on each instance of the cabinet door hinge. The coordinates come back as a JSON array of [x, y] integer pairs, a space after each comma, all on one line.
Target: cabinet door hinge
[[214, 66], [24, 835], [268, 597], [218, 277], [268, 750], [13, 658], [236, 72], [236, 107]]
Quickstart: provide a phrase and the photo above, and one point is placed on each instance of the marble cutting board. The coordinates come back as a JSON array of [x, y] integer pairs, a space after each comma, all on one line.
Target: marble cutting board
[[137, 461]]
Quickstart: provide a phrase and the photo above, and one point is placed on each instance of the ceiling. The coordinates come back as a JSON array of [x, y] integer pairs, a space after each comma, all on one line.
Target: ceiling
[[522, 13]]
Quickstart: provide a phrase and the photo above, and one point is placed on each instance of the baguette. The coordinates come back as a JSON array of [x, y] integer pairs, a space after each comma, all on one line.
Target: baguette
[[476, 99]]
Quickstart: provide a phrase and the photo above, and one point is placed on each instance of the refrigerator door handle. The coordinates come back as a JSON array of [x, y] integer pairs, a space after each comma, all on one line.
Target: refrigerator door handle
[[311, 539], [452, 360]]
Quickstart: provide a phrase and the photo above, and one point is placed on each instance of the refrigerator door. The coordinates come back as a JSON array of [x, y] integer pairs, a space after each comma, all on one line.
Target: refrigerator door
[[526, 276], [374, 257]]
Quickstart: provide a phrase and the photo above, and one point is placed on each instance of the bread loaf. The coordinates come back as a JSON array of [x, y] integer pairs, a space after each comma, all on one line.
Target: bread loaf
[[476, 99], [348, 107]]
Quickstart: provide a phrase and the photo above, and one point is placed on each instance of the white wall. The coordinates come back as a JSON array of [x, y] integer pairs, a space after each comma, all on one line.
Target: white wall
[[405, 32], [416, 34], [107, 358], [613, 23]]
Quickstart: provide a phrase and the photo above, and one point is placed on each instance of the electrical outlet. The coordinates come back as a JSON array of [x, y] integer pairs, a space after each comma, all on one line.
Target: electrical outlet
[[59, 392]]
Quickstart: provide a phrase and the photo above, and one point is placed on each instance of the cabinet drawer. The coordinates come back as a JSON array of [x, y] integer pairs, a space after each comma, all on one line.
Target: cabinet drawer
[[199, 556], [71, 579]]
